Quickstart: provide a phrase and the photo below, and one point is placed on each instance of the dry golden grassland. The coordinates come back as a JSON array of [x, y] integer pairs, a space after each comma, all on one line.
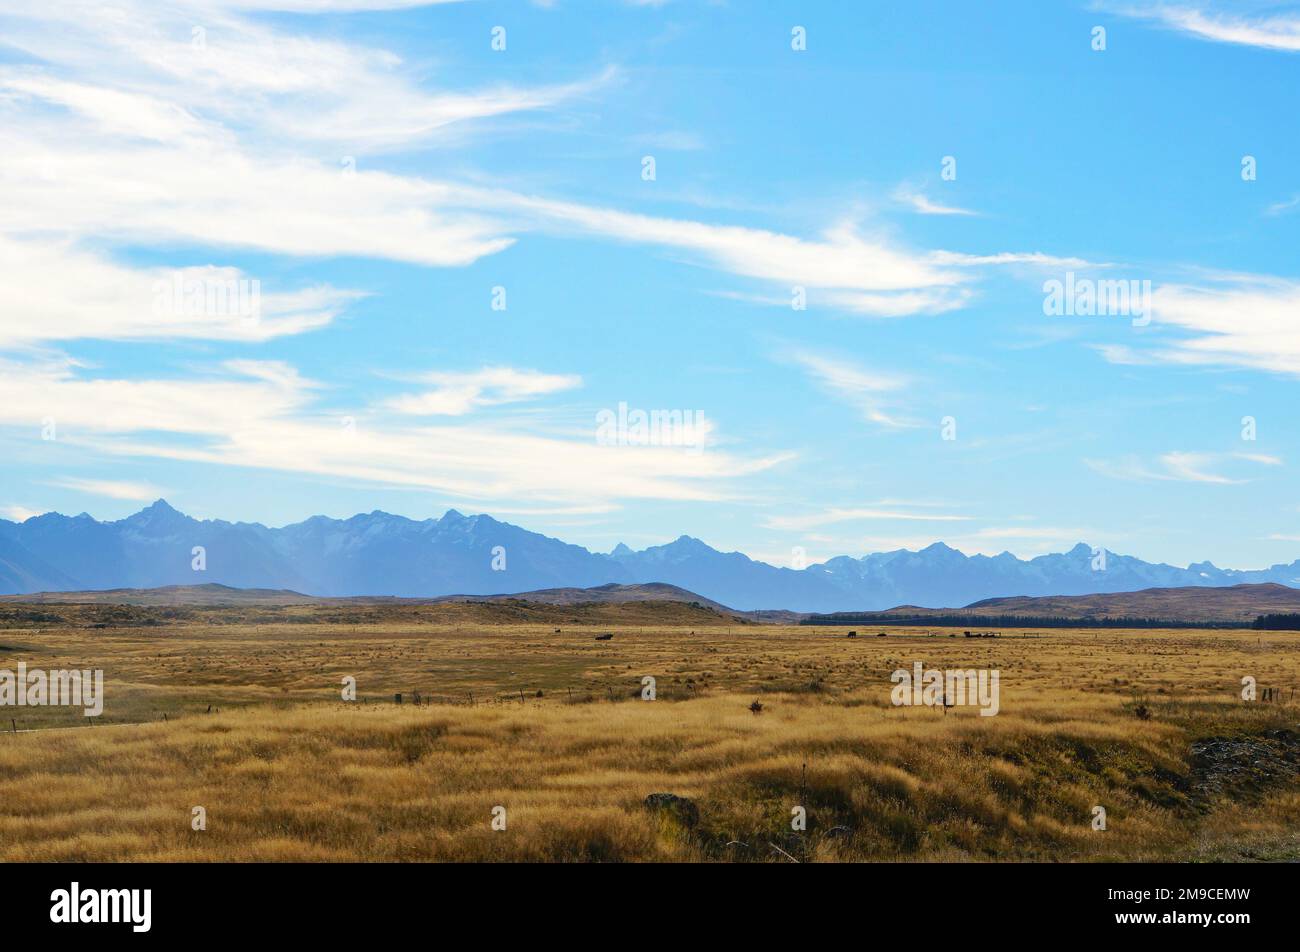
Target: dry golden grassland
[[559, 736]]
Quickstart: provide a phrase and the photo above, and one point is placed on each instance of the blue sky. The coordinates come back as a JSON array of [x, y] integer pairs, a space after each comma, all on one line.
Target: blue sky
[[377, 175]]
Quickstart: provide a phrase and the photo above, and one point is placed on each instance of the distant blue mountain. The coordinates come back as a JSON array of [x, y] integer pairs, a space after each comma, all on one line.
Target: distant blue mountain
[[383, 554]]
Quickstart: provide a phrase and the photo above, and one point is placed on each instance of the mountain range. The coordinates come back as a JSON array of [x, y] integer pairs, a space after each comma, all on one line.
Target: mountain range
[[382, 554]]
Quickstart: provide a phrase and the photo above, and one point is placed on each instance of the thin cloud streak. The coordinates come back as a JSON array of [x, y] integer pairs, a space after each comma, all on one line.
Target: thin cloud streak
[[263, 415], [1265, 32]]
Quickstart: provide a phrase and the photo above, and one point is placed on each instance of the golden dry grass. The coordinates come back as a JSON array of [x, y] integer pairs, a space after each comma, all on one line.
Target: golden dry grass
[[288, 771]]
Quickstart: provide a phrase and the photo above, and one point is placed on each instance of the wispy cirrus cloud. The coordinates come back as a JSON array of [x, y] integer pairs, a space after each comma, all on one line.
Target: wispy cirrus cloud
[[871, 392], [17, 513], [1244, 321], [1183, 466], [51, 291], [202, 126], [1283, 207], [260, 414], [838, 516], [111, 488], [218, 60], [456, 394], [1280, 31], [150, 170], [923, 205], [195, 118]]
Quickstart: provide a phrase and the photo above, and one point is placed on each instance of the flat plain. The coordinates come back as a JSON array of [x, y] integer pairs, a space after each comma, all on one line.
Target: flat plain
[[241, 713]]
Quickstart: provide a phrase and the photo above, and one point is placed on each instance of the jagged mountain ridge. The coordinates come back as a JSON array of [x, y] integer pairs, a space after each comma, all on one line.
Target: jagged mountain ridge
[[378, 553]]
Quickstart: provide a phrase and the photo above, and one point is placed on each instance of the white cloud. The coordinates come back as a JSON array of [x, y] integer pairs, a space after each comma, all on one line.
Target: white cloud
[[1248, 322], [235, 142], [836, 516], [262, 414], [113, 489], [922, 205], [199, 124], [210, 192], [1036, 259], [455, 394], [1278, 32], [853, 270], [866, 390], [842, 259], [210, 139], [1123, 355], [1280, 208], [147, 170], [324, 6], [50, 291], [1193, 467], [673, 140], [208, 57], [20, 513], [1181, 466], [899, 304]]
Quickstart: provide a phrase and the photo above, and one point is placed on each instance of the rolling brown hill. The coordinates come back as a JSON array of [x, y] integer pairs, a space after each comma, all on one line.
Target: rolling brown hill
[[1233, 602], [1240, 604], [612, 605], [643, 604], [167, 595]]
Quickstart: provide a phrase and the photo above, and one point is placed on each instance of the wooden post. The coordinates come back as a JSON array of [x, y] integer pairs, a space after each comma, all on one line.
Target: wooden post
[[14, 724]]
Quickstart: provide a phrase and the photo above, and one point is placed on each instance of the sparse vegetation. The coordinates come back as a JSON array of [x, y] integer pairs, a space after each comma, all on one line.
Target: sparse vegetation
[[551, 726]]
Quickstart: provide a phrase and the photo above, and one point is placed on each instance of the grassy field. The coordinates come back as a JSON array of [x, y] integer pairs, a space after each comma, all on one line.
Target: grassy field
[[247, 721]]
